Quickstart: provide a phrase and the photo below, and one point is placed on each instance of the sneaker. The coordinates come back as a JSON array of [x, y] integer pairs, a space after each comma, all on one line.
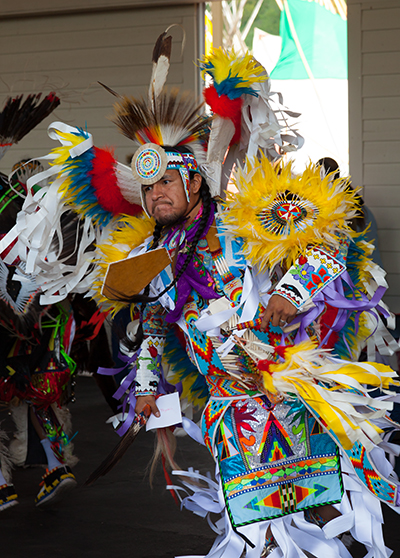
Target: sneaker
[[54, 484], [8, 496]]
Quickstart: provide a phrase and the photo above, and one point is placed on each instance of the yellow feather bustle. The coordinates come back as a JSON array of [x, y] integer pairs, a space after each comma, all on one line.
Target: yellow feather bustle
[[363, 264], [279, 215], [334, 391], [62, 155], [131, 232], [69, 141]]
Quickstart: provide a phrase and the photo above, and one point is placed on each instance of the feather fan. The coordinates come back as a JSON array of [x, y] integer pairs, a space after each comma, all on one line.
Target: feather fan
[[120, 449]]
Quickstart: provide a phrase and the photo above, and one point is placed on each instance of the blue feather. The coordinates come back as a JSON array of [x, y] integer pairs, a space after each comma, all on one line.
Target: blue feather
[[81, 190], [228, 86]]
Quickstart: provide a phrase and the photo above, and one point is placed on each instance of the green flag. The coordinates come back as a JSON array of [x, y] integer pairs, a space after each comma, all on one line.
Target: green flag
[[322, 37]]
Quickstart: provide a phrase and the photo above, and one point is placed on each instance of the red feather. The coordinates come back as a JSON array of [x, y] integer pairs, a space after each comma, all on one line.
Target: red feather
[[264, 364], [104, 182], [225, 107], [281, 350]]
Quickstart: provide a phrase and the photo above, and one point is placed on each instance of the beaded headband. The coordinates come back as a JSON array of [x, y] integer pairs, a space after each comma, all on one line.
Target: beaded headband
[[150, 162]]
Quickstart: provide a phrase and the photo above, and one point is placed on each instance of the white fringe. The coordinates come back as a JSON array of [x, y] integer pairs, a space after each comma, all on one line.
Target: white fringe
[[296, 538]]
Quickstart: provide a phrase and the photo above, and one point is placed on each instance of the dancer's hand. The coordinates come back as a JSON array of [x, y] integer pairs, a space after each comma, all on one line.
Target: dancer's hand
[[279, 311], [150, 401]]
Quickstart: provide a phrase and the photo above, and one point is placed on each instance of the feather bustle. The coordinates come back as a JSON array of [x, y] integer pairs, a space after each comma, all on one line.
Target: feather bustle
[[19, 116]]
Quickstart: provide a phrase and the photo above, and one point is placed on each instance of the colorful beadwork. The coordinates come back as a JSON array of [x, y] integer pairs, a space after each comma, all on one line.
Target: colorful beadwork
[[210, 419], [206, 356], [288, 210], [277, 470], [311, 272], [380, 487], [148, 162]]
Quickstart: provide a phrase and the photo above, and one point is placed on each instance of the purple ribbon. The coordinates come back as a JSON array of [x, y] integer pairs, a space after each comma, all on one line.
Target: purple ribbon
[[128, 383], [191, 278], [333, 294], [114, 371]]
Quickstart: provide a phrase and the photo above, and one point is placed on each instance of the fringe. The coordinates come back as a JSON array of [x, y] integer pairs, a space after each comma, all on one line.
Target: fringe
[[63, 415], [164, 447], [294, 536]]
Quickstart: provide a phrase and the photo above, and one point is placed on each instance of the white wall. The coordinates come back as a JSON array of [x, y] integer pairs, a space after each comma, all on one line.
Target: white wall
[[70, 52], [374, 117]]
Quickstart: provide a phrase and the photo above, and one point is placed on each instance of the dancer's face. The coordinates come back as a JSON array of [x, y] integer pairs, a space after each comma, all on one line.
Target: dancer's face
[[166, 199]]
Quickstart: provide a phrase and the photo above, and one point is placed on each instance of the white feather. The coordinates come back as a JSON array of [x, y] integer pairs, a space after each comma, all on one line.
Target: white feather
[[158, 77]]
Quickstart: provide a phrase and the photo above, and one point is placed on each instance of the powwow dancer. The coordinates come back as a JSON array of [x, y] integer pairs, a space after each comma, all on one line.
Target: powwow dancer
[[295, 436], [36, 331], [298, 443], [35, 340]]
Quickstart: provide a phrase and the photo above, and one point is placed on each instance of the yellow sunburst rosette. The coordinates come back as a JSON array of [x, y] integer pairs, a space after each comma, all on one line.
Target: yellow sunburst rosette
[[279, 214]]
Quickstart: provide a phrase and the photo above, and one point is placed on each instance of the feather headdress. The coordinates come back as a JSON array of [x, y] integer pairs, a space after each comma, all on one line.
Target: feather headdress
[[165, 119], [161, 62], [279, 215], [233, 76], [175, 120]]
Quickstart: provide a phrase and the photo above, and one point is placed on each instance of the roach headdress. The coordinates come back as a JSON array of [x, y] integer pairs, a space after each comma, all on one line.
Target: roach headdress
[[168, 128], [163, 130]]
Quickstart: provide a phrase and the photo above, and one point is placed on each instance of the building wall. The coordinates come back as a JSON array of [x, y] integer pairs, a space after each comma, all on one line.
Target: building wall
[[71, 52], [25, 7], [374, 120]]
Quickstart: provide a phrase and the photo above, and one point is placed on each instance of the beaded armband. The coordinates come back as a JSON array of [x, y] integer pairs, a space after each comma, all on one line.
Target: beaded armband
[[310, 274], [149, 366]]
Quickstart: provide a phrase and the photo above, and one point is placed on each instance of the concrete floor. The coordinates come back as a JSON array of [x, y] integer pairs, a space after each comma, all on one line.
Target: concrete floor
[[119, 515]]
